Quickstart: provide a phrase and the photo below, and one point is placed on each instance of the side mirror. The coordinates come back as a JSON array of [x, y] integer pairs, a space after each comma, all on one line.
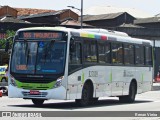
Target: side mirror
[[7, 43], [7, 46]]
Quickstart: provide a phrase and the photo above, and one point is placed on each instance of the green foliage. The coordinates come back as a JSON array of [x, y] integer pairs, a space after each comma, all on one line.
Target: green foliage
[[2, 43], [9, 33]]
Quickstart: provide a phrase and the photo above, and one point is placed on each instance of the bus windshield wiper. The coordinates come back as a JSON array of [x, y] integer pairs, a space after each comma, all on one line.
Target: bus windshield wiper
[[27, 56], [27, 52], [48, 47]]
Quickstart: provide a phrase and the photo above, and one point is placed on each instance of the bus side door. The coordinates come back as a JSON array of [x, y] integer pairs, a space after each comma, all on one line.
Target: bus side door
[[75, 71]]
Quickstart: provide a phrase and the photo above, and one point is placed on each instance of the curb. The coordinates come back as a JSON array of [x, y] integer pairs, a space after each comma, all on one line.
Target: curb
[[156, 87]]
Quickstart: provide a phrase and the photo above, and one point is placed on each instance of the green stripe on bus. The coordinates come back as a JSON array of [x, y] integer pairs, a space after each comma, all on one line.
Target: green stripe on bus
[[35, 86], [87, 35], [82, 77], [91, 36]]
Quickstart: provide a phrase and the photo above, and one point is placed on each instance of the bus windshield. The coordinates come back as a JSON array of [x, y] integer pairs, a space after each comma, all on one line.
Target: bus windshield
[[38, 57]]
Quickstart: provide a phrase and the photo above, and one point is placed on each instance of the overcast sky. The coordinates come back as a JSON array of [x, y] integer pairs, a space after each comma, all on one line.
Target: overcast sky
[[150, 6]]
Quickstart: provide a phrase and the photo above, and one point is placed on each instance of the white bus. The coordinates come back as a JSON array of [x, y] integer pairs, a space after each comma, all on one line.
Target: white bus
[[78, 64]]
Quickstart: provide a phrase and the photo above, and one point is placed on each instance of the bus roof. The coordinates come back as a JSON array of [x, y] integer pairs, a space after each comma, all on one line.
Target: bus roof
[[92, 33]]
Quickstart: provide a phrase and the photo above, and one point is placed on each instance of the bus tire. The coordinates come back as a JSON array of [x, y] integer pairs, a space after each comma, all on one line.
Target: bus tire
[[87, 95], [38, 102], [94, 100], [132, 94], [4, 79]]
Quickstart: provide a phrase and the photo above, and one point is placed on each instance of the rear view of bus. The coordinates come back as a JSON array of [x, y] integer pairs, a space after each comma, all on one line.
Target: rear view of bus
[[37, 65]]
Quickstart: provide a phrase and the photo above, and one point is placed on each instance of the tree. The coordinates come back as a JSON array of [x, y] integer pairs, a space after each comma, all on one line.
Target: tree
[[9, 33]]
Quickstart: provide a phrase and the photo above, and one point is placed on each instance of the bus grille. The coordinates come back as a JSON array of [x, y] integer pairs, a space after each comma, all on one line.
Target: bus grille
[[33, 88], [35, 80], [28, 95]]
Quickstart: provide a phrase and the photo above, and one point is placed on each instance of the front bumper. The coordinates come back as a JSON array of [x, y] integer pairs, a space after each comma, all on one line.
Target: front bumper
[[55, 93]]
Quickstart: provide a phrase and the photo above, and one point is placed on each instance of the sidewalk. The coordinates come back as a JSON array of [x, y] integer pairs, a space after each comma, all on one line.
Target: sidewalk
[[156, 87]]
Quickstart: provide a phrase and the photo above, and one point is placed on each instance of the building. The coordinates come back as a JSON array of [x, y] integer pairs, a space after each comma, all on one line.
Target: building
[[8, 11], [31, 11], [54, 18], [109, 21], [105, 9], [151, 22], [9, 19]]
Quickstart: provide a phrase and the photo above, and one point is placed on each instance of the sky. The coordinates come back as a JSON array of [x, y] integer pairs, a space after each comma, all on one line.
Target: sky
[[149, 6]]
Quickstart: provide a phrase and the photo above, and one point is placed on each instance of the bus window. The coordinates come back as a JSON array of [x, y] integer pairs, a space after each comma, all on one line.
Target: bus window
[[139, 54], [128, 54], [75, 56], [117, 53], [90, 51], [148, 55], [104, 52]]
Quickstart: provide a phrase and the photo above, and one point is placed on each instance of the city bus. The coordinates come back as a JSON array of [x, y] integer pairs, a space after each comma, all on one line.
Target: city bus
[[78, 64]]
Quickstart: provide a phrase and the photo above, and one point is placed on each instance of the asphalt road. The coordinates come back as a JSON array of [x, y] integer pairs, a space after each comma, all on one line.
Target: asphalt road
[[149, 101]]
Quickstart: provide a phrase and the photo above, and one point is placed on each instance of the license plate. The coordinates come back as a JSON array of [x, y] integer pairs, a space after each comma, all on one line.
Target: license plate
[[34, 92]]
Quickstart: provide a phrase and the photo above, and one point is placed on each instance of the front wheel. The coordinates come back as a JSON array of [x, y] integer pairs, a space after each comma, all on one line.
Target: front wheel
[[38, 102], [4, 80], [87, 95]]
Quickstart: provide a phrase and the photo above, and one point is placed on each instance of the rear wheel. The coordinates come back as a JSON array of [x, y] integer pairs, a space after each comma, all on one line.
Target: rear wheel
[[132, 94], [38, 102]]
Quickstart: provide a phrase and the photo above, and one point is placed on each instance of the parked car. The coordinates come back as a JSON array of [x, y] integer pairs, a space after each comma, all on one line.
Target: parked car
[[3, 73]]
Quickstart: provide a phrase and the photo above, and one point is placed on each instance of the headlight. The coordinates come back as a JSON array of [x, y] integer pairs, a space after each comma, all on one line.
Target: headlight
[[59, 82], [13, 81]]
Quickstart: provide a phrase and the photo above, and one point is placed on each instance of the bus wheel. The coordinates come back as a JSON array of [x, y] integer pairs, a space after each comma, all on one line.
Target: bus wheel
[[94, 100], [4, 80], [132, 94], [87, 95], [38, 102]]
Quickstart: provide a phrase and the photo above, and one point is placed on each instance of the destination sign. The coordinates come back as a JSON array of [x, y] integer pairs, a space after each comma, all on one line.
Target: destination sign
[[40, 35]]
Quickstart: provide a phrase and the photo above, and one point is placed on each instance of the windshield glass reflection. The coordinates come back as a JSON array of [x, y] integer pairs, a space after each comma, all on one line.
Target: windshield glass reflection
[[41, 57]]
